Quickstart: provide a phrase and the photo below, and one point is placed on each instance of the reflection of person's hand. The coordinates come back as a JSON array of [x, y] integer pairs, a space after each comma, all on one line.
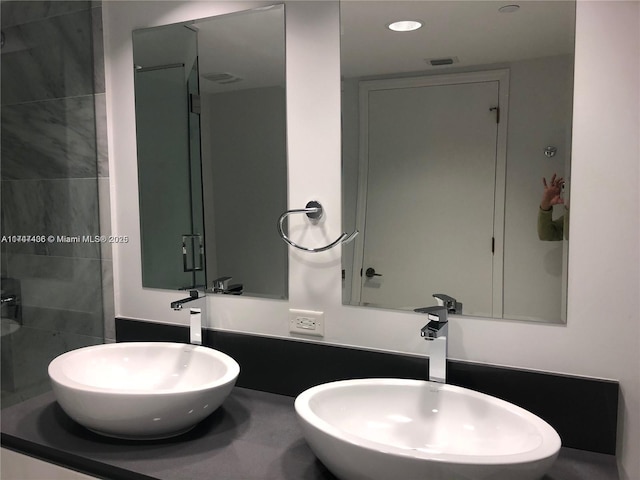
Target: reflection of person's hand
[[552, 192]]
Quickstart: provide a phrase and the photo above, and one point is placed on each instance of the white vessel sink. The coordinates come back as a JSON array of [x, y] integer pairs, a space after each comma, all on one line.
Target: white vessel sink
[[142, 390], [382, 429]]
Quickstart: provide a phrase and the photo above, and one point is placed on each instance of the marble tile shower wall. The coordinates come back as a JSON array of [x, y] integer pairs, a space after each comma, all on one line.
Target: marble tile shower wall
[[55, 182]]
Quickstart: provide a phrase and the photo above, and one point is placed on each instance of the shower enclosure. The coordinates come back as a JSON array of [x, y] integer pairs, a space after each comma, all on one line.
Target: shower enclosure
[[54, 177]]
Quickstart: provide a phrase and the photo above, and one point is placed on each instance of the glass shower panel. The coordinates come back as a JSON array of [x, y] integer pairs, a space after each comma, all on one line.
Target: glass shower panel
[[195, 169], [169, 166], [51, 270], [170, 244]]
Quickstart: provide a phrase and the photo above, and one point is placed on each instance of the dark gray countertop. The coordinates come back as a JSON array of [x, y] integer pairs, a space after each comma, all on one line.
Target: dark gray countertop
[[253, 436]]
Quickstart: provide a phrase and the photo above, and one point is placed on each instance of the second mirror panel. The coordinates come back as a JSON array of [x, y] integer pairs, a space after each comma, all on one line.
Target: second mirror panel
[[446, 132]]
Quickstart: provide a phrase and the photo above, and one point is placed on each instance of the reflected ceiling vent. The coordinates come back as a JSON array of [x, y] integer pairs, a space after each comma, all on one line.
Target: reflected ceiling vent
[[509, 8], [441, 62], [223, 78]]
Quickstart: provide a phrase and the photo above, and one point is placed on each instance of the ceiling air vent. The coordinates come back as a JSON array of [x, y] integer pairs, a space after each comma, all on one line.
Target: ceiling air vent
[[440, 62], [223, 78]]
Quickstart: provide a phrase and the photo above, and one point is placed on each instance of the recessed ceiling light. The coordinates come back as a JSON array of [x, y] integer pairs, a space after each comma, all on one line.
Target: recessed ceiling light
[[404, 25], [509, 8]]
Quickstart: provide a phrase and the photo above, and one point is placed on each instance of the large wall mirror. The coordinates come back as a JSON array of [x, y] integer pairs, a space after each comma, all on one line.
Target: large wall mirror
[[448, 132], [212, 158]]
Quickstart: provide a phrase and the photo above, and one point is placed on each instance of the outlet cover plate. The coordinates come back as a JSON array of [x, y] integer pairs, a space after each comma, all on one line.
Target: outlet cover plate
[[306, 322]]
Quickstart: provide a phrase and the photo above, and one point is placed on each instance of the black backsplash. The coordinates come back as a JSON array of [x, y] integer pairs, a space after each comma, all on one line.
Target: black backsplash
[[582, 410]]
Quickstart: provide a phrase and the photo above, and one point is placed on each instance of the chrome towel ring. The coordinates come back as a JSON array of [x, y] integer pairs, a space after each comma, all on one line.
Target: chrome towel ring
[[314, 211]]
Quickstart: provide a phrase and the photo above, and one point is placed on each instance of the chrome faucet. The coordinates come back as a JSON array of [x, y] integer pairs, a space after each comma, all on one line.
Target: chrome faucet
[[436, 331], [220, 285], [197, 310], [453, 306]]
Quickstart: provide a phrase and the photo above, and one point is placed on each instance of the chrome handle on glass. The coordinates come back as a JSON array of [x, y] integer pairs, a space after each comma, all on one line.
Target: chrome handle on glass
[[199, 252], [314, 211]]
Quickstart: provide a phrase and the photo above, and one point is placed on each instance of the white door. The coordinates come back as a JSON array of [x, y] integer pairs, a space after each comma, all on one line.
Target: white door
[[431, 195]]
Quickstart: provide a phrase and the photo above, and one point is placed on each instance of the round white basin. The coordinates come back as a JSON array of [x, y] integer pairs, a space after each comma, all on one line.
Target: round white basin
[[142, 390], [381, 429]]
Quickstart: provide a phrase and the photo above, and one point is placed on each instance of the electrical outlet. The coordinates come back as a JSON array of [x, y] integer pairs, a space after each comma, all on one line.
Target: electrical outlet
[[306, 322]]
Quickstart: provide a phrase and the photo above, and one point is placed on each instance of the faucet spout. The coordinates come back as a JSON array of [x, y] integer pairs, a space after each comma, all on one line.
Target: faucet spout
[[177, 305], [434, 329], [437, 332], [196, 311]]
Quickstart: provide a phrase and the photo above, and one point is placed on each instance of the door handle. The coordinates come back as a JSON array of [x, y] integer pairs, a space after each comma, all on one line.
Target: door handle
[[371, 272]]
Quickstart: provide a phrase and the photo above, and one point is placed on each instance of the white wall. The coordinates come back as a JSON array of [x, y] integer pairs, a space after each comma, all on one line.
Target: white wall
[[540, 104], [602, 335]]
